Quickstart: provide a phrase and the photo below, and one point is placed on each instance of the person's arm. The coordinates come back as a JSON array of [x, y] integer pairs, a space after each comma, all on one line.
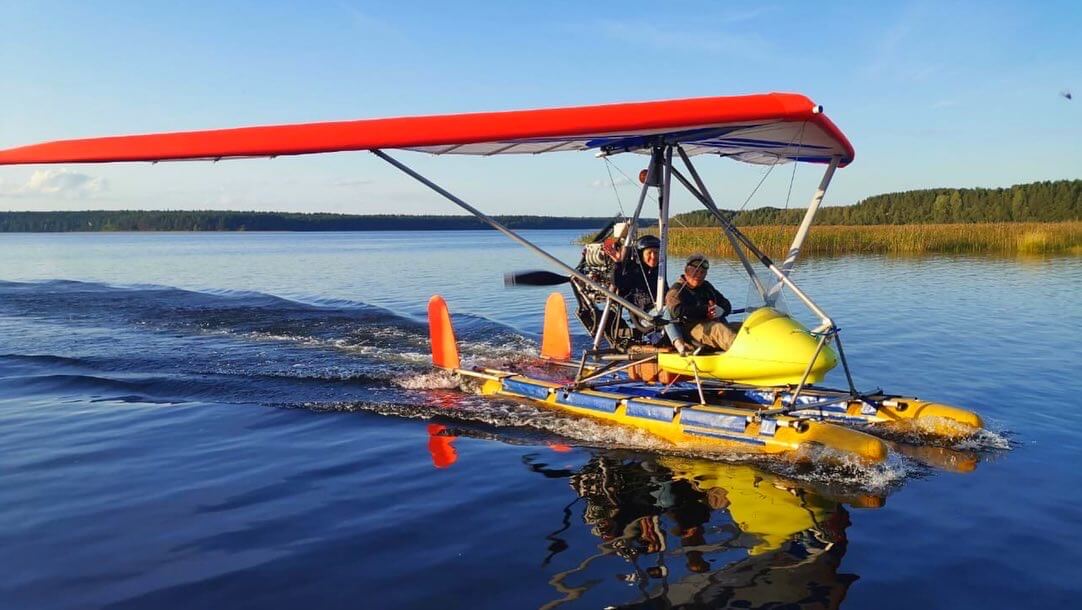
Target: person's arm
[[721, 302]]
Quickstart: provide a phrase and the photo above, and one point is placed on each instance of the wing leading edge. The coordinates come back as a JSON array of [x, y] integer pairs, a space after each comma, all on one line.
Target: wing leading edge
[[762, 128]]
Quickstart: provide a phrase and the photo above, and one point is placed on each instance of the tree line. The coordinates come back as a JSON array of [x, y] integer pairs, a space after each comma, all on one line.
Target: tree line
[[210, 220], [1054, 201], [1034, 202]]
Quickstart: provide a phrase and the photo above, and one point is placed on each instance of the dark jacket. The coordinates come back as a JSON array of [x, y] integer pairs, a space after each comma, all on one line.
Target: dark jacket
[[690, 305], [637, 283]]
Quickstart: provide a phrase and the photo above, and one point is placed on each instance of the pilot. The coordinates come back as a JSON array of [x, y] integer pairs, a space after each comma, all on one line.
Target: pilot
[[698, 308], [636, 278]]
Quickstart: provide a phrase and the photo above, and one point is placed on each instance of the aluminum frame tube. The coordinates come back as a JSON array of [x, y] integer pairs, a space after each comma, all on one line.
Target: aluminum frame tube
[[634, 230], [756, 281], [601, 323], [825, 321], [809, 216], [663, 230], [511, 234], [805, 227]]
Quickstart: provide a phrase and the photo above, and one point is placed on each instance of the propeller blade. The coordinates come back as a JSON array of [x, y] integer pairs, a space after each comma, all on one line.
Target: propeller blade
[[534, 278]]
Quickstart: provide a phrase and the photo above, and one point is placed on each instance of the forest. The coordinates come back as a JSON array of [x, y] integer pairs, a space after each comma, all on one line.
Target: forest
[[1055, 201], [209, 220]]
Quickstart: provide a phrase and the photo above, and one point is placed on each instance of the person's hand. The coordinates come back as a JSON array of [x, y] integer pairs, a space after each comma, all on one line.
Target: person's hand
[[711, 310], [612, 249]]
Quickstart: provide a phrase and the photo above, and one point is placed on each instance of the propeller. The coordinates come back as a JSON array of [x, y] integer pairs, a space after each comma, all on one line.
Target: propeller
[[534, 278]]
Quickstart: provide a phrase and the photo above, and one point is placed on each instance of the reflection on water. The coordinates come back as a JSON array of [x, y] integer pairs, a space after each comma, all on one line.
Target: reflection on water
[[684, 532], [690, 533]]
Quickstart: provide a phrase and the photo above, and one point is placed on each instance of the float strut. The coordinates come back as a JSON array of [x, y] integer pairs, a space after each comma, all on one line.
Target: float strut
[[811, 363], [845, 364], [698, 382]]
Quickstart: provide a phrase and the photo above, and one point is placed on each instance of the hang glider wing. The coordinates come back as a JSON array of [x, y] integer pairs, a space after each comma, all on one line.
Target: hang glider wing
[[764, 128]]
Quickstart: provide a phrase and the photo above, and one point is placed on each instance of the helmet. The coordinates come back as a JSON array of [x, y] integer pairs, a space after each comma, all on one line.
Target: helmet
[[646, 242]]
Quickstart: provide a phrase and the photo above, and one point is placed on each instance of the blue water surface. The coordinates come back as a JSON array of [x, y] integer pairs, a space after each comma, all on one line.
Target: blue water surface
[[249, 420]]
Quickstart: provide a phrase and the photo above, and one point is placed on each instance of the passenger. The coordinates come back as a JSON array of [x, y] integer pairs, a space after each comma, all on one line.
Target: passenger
[[699, 308], [636, 278]]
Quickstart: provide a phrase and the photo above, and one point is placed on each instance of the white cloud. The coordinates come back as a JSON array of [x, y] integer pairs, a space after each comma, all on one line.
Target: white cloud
[[62, 183]]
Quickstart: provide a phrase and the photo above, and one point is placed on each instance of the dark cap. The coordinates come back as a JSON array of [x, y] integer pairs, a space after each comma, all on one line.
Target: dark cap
[[699, 261]]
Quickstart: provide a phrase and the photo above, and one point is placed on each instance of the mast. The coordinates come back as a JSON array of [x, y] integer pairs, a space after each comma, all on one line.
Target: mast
[[663, 224]]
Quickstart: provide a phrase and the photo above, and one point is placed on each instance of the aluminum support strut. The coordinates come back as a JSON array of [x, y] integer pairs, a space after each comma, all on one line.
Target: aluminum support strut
[[601, 325], [805, 226], [809, 216], [514, 236], [825, 321], [634, 230], [826, 324], [663, 230], [756, 281]]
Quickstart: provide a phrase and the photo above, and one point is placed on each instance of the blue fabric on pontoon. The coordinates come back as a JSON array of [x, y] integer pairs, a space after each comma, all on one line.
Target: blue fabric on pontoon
[[525, 388], [650, 411], [707, 419], [597, 403]]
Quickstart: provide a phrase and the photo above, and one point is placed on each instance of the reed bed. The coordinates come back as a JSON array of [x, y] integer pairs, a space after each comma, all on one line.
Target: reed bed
[[836, 240]]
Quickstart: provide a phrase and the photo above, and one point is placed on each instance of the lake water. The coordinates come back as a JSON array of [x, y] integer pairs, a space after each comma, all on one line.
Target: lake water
[[250, 421]]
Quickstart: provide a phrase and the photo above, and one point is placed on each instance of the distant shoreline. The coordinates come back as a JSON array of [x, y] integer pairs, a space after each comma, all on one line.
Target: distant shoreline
[[228, 221], [1036, 202]]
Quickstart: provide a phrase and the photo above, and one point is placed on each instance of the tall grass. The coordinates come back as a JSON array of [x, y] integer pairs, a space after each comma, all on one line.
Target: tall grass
[[834, 240]]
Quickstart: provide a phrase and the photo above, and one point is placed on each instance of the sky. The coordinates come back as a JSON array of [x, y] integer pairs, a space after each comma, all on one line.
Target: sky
[[931, 94]]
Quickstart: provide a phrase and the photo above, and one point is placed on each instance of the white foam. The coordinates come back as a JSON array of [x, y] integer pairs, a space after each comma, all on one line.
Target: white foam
[[985, 440], [428, 381]]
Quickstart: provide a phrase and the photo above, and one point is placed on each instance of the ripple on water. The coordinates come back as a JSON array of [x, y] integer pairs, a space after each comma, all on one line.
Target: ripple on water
[[141, 466]]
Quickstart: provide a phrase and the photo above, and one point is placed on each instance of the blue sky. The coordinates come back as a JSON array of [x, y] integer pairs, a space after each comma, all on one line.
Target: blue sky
[[930, 93]]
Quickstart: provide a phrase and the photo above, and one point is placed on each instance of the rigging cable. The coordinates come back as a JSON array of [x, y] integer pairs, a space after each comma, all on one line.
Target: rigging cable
[[793, 176], [608, 168]]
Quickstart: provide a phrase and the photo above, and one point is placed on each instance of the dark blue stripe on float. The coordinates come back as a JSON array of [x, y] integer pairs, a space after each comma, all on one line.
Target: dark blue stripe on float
[[719, 421], [587, 401], [525, 389], [649, 411]]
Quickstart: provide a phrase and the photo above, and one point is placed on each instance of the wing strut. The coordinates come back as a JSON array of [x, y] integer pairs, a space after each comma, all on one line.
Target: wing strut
[[805, 226], [827, 328], [514, 236], [727, 226], [759, 286]]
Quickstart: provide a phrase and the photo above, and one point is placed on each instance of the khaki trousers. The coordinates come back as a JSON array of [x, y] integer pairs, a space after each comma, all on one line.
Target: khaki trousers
[[713, 334]]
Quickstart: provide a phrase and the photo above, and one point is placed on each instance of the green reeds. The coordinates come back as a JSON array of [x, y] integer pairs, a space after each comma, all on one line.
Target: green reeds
[[836, 240]]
